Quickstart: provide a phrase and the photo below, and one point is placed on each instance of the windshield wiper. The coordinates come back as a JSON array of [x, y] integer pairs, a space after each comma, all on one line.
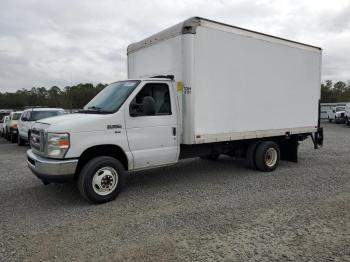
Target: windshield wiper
[[94, 110]]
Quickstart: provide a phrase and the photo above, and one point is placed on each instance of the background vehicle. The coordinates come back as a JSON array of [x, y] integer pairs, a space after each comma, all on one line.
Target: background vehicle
[[3, 113], [3, 125], [29, 117], [173, 108], [347, 114], [337, 114], [11, 126]]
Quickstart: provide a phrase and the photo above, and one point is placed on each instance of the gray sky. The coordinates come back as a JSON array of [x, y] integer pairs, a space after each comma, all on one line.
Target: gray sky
[[50, 42]]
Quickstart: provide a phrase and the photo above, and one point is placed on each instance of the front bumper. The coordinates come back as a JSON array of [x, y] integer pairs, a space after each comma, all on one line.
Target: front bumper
[[51, 170], [340, 119]]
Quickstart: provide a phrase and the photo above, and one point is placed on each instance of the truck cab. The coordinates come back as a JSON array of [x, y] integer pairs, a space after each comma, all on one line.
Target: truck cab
[[337, 113], [135, 120]]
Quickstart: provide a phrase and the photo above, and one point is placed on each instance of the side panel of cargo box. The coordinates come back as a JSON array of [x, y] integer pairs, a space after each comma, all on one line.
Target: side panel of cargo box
[[245, 87]]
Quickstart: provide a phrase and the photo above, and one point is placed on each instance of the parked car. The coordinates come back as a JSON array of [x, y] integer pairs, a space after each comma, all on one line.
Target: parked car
[[196, 109], [3, 113], [3, 125], [11, 126], [337, 113], [29, 117], [347, 114]]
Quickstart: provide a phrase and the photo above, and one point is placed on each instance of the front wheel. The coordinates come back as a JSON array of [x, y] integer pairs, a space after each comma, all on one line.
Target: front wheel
[[347, 121], [101, 179], [267, 156]]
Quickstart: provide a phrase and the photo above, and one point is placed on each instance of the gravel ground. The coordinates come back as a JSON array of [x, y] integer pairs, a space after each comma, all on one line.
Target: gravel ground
[[194, 211]]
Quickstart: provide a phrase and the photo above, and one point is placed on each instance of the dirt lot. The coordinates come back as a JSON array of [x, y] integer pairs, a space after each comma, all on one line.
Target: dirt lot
[[197, 210]]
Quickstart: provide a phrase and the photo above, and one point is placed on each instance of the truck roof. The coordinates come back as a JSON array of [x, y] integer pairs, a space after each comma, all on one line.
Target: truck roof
[[190, 25]]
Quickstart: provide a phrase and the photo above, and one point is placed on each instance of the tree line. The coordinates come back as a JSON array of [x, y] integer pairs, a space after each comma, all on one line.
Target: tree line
[[75, 97], [69, 97], [338, 92]]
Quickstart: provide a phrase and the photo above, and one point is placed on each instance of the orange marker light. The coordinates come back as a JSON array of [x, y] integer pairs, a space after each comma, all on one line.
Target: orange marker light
[[63, 143]]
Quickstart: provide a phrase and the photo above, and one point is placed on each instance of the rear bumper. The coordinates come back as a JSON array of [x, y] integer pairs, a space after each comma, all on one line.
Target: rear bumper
[[51, 170]]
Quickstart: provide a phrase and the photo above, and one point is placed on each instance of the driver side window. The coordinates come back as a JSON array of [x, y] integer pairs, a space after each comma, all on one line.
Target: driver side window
[[159, 92]]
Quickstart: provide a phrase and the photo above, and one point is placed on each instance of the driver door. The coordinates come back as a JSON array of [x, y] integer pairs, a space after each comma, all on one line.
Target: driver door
[[153, 139]]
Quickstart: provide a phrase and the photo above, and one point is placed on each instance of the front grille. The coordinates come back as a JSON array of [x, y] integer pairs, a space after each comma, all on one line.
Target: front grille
[[37, 140], [342, 115]]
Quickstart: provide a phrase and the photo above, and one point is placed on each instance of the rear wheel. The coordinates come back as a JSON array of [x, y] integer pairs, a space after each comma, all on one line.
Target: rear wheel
[[250, 156], [347, 122], [267, 156], [101, 179]]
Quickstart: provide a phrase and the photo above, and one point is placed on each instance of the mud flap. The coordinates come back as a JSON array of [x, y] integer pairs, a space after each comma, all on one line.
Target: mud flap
[[289, 150]]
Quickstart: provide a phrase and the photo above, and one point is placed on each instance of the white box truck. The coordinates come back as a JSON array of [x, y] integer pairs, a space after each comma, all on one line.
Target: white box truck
[[198, 89]]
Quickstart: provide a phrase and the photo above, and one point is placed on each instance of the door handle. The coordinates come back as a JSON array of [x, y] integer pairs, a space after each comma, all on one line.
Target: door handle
[[174, 131]]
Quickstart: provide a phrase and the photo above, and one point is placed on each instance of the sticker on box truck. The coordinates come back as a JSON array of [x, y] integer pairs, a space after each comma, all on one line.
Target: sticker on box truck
[[179, 86], [187, 90]]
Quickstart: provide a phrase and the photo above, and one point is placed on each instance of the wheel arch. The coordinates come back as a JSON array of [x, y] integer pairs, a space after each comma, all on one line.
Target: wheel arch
[[101, 150]]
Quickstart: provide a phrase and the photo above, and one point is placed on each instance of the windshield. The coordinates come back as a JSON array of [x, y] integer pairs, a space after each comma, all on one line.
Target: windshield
[[37, 115], [2, 115], [342, 108], [111, 98], [16, 116]]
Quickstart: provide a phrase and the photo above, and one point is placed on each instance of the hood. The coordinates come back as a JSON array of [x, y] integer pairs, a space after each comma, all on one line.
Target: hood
[[82, 122], [339, 112]]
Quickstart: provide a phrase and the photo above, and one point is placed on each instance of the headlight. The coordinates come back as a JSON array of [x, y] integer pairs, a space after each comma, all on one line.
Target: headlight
[[57, 145]]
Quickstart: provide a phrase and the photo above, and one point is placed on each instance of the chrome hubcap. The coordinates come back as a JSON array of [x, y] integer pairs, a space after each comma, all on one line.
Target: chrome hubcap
[[105, 180], [271, 157]]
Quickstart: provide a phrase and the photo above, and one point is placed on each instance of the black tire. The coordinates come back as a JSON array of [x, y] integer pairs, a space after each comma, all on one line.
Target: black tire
[[347, 122], [87, 174], [262, 159], [329, 120], [211, 157], [20, 141], [250, 155], [13, 138]]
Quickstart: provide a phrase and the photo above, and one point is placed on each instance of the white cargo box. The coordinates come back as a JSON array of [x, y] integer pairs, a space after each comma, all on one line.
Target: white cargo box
[[237, 84]]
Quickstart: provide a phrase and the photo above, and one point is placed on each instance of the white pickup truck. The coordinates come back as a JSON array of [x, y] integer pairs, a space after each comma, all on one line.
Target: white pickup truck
[[337, 114], [347, 114], [197, 89]]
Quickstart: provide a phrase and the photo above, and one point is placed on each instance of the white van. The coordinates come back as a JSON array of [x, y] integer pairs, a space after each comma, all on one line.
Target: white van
[[28, 119]]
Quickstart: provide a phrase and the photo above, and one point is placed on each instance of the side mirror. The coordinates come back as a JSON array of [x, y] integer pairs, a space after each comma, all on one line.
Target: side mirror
[[333, 111], [148, 106]]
